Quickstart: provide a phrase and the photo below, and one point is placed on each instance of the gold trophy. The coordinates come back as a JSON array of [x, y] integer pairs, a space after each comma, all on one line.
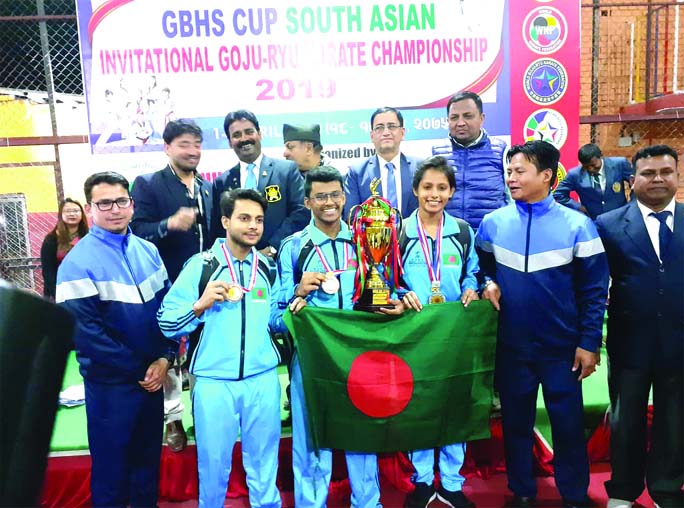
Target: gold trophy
[[374, 225]]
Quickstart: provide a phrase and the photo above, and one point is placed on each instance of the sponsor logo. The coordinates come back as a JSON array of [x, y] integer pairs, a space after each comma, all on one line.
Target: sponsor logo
[[545, 30], [546, 125], [545, 81]]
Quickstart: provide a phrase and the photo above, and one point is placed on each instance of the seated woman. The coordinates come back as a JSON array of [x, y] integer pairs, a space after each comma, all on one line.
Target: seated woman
[[72, 225]]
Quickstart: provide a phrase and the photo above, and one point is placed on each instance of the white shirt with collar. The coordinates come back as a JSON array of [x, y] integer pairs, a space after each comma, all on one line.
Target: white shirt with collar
[[602, 176], [397, 176], [243, 170], [653, 224]]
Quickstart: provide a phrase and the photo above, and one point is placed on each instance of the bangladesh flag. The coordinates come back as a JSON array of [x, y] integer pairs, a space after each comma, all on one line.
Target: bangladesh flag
[[376, 383]]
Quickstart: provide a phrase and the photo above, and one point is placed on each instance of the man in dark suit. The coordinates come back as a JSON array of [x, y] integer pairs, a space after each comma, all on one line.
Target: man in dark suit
[[387, 133], [173, 210], [598, 181], [279, 181], [644, 241]]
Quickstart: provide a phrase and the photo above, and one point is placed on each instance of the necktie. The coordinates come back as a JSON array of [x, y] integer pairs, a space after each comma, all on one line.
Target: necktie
[[250, 181], [664, 233], [596, 182], [391, 185]]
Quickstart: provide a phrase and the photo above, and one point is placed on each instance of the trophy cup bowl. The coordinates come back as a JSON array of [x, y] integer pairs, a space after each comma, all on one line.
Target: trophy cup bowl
[[376, 228]]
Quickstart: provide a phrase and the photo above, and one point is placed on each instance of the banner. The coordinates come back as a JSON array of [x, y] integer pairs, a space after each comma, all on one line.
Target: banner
[[148, 62], [375, 383]]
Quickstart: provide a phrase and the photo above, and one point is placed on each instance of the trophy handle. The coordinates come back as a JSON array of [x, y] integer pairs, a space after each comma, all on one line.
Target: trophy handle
[[351, 214]]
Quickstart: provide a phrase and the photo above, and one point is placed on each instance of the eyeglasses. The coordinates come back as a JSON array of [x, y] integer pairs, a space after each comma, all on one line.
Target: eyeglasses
[[322, 198], [107, 204], [380, 128]]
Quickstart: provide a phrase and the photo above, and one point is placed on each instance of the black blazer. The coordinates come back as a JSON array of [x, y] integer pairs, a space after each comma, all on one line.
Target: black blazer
[[282, 185], [156, 197], [646, 311]]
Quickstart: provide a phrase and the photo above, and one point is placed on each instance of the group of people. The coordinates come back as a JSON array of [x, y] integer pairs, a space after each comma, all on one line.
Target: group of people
[[180, 260]]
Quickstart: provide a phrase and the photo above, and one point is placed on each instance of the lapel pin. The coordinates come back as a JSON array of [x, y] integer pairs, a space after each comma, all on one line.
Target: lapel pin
[[264, 173]]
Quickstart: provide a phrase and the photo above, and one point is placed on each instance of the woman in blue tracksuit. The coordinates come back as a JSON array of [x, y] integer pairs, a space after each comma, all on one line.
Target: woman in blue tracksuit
[[440, 264]]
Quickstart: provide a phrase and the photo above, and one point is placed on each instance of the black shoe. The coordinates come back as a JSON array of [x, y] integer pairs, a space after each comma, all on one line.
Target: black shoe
[[422, 496], [522, 502], [455, 499]]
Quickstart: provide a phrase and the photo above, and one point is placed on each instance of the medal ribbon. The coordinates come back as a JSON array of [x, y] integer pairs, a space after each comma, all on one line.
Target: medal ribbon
[[435, 266], [231, 268], [326, 265]]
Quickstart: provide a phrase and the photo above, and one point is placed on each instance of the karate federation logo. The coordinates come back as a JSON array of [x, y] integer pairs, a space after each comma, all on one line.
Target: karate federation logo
[[561, 173], [546, 125], [545, 81], [545, 30]]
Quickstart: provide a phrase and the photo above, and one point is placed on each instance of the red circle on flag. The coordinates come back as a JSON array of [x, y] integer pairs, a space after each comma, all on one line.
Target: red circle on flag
[[380, 384]]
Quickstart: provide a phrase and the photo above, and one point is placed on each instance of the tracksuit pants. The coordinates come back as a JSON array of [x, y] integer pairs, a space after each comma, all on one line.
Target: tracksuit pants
[[312, 472], [518, 382], [125, 427], [249, 407], [450, 462]]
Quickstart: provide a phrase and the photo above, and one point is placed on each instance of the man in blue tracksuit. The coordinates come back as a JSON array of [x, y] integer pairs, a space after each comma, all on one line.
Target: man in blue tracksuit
[[113, 282], [440, 264], [317, 267], [547, 273], [237, 388]]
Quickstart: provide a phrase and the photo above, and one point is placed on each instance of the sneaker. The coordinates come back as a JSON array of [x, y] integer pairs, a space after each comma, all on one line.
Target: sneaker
[[619, 503], [455, 499], [422, 496]]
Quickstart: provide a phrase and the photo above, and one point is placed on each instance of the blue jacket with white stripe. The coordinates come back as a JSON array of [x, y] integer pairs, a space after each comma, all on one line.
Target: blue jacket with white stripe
[[114, 284], [553, 273], [235, 341]]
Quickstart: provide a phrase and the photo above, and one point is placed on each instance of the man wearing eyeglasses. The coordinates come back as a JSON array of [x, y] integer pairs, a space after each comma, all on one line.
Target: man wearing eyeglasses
[[277, 180], [394, 169], [113, 282]]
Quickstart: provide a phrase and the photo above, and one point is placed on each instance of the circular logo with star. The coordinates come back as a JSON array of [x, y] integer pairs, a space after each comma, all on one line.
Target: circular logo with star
[[545, 81], [546, 125], [561, 173], [545, 30]]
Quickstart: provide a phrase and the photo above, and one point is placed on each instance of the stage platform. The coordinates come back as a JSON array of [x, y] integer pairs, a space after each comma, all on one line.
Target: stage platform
[[68, 473]]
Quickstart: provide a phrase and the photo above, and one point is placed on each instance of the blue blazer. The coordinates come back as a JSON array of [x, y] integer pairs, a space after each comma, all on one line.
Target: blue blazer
[[157, 196], [617, 170], [646, 309], [283, 187], [357, 184]]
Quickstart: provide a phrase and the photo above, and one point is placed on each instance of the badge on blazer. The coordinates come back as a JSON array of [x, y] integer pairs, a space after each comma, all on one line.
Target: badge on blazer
[[617, 187], [273, 193]]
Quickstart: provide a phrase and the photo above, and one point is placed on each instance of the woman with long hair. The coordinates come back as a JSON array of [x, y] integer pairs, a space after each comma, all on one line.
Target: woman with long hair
[[72, 225]]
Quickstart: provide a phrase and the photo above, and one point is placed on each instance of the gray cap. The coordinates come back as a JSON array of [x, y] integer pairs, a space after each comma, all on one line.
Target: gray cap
[[311, 133]]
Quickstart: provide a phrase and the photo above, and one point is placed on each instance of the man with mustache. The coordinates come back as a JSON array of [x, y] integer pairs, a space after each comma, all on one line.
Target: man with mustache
[[173, 211], [277, 180]]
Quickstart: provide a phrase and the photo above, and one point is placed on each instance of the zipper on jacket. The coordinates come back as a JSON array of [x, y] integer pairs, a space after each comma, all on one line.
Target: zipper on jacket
[[128, 264], [244, 312], [337, 267], [527, 240]]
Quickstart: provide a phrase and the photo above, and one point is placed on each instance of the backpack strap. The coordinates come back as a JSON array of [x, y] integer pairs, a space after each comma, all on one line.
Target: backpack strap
[[268, 267], [299, 255], [209, 266]]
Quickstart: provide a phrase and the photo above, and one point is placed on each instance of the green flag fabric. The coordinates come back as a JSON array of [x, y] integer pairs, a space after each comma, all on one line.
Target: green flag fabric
[[376, 383]]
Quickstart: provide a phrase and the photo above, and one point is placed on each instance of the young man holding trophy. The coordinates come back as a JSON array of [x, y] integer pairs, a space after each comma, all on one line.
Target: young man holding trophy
[[440, 264], [317, 267]]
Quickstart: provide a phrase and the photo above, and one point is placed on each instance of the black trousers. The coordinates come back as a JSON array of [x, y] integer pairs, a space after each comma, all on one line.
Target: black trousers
[[663, 464]]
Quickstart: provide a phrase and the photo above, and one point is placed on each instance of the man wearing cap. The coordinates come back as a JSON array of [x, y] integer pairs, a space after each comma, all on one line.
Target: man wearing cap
[[277, 180], [394, 169], [303, 146]]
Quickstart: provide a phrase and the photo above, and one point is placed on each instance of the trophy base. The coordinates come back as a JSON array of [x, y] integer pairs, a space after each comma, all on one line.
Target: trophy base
[[373, 299]]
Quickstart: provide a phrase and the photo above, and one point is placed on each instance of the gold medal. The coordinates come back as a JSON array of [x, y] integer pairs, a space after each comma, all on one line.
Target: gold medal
[[330, 285], [436, 296], [235, 293]]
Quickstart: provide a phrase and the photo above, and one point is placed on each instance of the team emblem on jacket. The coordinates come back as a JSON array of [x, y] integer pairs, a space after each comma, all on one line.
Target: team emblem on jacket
[[617, 187], [273, 193]]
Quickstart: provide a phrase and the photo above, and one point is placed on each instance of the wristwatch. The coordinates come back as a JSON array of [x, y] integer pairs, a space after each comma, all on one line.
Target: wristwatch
[[272, 251], [170, 357]]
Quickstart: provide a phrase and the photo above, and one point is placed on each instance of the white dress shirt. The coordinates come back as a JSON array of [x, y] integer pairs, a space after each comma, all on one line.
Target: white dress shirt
[[397, 176], [243, 170], [653, 224]]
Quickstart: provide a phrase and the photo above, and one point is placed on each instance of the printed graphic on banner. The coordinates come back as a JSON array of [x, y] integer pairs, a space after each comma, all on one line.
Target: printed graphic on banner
[[545, 30], [286, 61], [547, 125], [561, 173], [545, 81]]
